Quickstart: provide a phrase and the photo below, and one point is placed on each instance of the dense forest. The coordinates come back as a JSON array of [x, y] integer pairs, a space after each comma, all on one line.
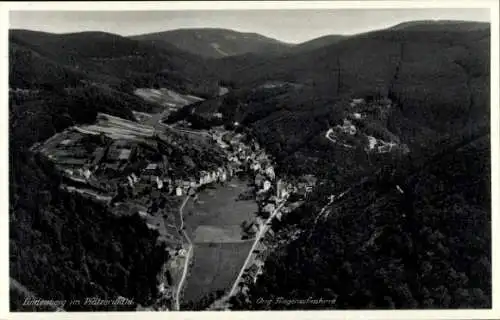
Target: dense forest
[[426, 246], [38, 58], [62, 246]]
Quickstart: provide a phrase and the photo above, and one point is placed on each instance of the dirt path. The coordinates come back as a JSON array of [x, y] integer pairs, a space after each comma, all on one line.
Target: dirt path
[[188, 256]]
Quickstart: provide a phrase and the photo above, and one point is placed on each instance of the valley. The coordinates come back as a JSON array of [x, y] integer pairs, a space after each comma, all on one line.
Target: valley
[[210, 169]]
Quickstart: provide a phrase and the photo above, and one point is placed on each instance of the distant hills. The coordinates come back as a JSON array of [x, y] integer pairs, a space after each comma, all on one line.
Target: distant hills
[[437, 78], [442, 25], [216, 43], [317, 43], [38, 58]]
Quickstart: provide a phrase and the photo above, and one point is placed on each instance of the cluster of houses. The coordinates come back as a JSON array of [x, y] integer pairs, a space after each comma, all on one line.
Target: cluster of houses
[[179, 187]]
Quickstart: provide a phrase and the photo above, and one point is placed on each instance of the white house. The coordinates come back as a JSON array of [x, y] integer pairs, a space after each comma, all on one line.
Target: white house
[[161, 287], [134, 177], [159, 183], [372, 142], [255, 166], [267, 185], [182, 252], [130, 182], [178, 191], [283, 193], [223, 177], [270, 172]]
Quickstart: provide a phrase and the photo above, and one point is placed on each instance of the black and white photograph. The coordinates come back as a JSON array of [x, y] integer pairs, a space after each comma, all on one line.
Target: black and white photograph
[[251, 159]]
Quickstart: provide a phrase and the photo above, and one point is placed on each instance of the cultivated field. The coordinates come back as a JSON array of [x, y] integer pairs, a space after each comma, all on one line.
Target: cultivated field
[[213, 223], [116, 128], [166, 97], [219, 208], [215, 267], [226, 234]]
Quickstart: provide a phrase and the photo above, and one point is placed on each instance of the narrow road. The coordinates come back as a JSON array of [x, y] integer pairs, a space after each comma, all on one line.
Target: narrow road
[[262, 232], [188, 255]]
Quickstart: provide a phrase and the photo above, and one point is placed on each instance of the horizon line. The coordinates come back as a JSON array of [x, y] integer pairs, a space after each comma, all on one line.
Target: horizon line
[[253, 32]]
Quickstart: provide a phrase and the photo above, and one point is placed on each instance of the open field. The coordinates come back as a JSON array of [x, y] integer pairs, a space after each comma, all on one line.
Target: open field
[[117, 128], [215, 266], [166, 97], [209, 234], [213, 222], [219, 208]]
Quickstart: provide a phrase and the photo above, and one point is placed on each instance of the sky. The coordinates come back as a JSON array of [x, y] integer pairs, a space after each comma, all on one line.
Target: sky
[[292, 26]]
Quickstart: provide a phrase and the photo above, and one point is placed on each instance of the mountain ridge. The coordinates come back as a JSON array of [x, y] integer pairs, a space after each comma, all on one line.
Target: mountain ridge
[[216, 42]]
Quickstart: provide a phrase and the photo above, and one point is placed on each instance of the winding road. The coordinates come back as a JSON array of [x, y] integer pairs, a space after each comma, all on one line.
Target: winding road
[[188, 256]]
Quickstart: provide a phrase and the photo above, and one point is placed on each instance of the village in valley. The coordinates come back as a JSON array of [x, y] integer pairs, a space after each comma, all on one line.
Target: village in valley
[[150, 169], [136, 169]]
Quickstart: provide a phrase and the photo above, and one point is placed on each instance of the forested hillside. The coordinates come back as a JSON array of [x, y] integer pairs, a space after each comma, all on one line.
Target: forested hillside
[[424, 245], [216, 43], [62, 246], [437, 78], [38, 58]]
